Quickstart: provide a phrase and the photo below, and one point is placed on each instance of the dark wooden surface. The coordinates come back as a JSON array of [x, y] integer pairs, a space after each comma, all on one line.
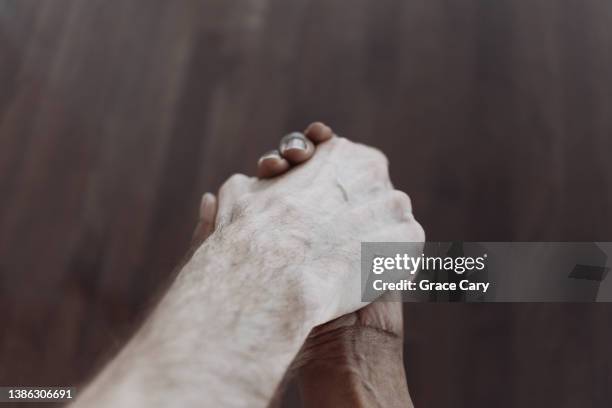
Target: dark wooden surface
[[116, 116]]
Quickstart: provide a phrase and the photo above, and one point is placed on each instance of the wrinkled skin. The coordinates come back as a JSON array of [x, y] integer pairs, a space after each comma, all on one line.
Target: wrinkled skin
[[381, 320]]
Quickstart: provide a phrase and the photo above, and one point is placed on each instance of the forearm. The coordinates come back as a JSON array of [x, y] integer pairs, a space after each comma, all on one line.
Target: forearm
[[363, 367], [214, 338]]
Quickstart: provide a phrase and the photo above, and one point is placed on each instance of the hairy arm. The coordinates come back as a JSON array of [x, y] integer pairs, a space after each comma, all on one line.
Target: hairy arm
[[212, 339], [241, 308]]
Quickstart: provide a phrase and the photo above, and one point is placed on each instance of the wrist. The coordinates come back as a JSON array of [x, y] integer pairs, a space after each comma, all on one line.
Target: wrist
[[266, 273], [237, 285], [351, 346], [355, 366]]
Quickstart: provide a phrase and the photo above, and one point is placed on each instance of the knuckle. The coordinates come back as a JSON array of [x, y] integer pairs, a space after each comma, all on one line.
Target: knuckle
[[367, 157], [419, 231], [281, 204], [238, 178], [374, 160], [377, 156], [233, 181], [241, 206], [340, 141], [377, 169], [412, 229], [400, 203], [409, 231], [336, 146]]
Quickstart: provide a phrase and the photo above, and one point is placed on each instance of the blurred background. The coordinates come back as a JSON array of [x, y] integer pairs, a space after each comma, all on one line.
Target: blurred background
[[115, 116]]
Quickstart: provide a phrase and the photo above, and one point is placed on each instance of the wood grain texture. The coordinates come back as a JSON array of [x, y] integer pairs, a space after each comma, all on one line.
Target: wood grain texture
[[116, 116]]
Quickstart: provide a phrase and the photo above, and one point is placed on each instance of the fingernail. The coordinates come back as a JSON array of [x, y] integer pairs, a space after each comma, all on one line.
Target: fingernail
[[296, 144], [293, 141], [206, 201], [272, 154]]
